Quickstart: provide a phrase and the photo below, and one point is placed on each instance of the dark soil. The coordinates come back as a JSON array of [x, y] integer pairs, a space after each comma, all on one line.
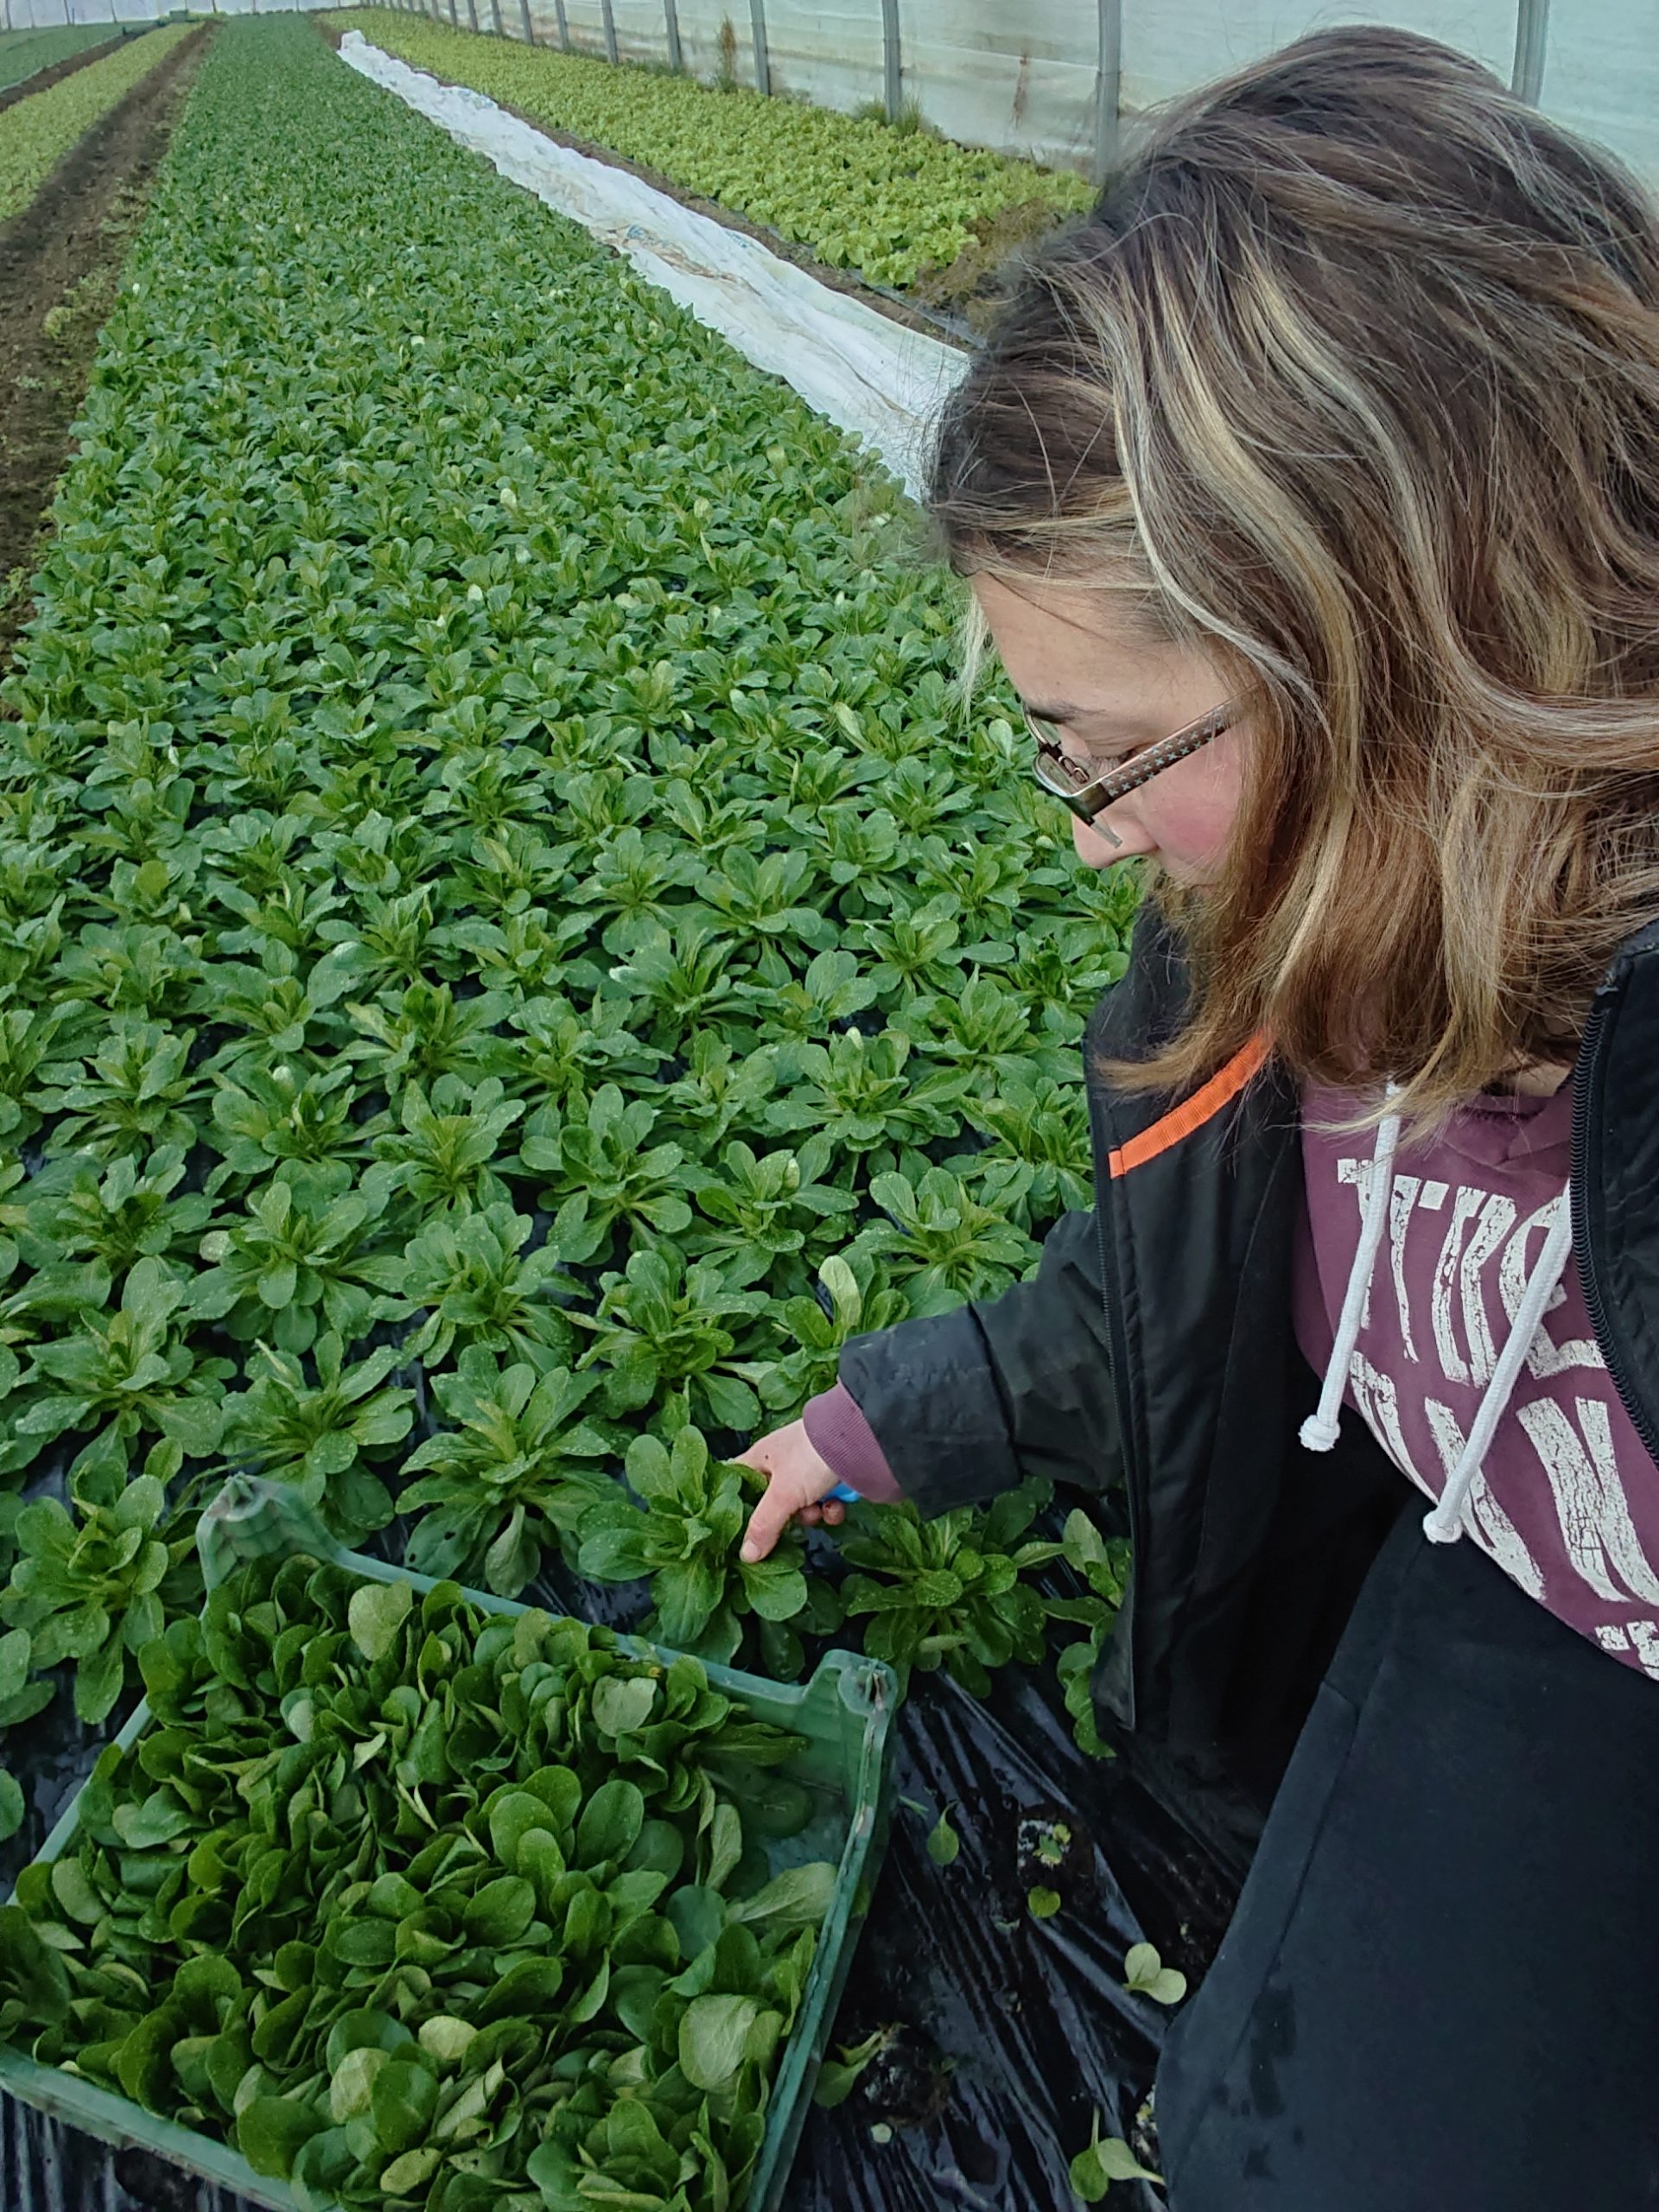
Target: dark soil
[[50, 75], [60, 262]]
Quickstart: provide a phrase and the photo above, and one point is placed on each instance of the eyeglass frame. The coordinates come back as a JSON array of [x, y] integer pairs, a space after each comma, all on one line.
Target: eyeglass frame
[[1088, 801]]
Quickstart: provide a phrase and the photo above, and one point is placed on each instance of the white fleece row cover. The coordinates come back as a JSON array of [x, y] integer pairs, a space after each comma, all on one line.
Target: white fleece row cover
[[865, 373]]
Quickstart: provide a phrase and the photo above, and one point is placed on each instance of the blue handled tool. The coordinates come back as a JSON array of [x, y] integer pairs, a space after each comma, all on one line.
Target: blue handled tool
[[846, 1491]]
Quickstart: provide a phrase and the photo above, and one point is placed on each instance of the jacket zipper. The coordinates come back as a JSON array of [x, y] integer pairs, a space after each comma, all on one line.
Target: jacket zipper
[[1111, 1293], [1585, 1160]]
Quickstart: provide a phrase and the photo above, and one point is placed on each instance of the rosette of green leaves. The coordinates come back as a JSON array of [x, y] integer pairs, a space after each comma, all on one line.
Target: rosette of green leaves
[[480, 1286], [763, 900], [28, 1035], [764, 1207], [297, 1260], [941, 1243], [429, 1034], [604, 1173], [113, 1213], [130, 1095], [513, 1477], [679, 978], [45, 1302], [89, 1586], [125, 1374], [684, 1534], [1042, 1126], [719, 1089], [985, 1031], [859, 1092], [831, 992], [662, 1324], [288, 1111], [854, 1297], [314, 1432], [562, 1052], [441, 1154], [947, 1592]]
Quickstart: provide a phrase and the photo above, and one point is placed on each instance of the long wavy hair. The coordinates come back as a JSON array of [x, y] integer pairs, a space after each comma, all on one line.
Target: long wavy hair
[[1351, 378]]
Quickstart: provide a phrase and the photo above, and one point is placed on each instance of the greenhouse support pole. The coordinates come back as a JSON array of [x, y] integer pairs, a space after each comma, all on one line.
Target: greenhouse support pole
[[454, 16], [892, 72], [530, 27], [609, 13], [564, 25], [671, 22], [472, 10], [1531, 41], [495, 12], [1108, 79], [762, 60]]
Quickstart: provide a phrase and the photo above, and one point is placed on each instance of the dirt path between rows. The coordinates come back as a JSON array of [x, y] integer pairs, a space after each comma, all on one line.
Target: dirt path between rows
[[60, 262], [53, 72]]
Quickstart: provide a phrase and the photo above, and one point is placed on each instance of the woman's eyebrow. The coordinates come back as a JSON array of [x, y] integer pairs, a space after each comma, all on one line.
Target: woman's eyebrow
[[1066, 710]]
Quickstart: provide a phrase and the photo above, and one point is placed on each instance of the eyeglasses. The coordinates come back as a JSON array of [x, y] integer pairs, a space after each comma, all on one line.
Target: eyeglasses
[[1089, 793]]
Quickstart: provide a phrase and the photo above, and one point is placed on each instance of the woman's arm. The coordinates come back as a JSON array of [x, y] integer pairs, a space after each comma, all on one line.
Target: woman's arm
[[968, 1403]]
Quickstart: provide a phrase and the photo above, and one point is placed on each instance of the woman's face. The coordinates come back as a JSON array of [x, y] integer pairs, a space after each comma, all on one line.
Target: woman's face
[[1071, 656]]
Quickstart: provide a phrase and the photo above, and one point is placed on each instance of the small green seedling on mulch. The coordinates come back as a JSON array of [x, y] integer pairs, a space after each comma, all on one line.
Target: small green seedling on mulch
[[1103, 2161], [1145, 1973]]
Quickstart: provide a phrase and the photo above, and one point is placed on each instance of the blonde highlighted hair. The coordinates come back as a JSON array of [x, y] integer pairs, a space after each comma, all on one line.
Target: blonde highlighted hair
[[1351, 378]]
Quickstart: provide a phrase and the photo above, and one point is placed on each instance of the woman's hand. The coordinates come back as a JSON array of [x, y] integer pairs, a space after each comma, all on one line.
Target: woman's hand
[[795, 1479]]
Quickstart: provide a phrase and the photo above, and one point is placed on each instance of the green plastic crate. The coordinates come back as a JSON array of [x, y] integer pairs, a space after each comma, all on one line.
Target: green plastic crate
[[846, 1712]]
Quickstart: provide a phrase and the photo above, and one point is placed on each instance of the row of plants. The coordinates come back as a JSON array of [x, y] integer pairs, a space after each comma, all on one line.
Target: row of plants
[[890, 206], [38, 131], [24, 53], [510, 952]]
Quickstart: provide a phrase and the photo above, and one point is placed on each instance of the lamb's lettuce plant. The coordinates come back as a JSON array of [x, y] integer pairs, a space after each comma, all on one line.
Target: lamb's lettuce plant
[[684, 1534], [950, 1591]]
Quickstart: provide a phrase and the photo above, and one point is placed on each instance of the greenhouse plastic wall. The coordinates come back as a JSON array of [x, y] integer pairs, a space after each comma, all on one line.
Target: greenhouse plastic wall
[[37, 14], [1059, 81], [1062, 81]]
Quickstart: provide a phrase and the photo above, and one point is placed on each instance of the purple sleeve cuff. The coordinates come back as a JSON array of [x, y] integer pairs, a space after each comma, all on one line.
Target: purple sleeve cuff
[[839, 1433]]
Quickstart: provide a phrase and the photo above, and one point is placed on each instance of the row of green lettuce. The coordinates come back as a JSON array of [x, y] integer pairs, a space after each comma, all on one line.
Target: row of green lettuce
[[509, 952], [24, 53], [891, 205], [38, 130]]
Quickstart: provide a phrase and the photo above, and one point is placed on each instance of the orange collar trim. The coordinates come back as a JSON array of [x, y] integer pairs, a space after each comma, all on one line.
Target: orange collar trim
[[1192, 1113]]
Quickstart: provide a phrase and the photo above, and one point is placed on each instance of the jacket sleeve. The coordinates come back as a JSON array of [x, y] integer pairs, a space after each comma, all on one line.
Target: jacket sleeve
[[968, 1403]]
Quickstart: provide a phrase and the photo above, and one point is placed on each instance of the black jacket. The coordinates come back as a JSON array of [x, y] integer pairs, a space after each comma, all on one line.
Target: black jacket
[[1154, 1347]]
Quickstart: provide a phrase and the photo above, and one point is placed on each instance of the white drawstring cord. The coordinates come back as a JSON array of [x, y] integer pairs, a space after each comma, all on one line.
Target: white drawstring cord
[[1445, 1524], [1320, 1431]]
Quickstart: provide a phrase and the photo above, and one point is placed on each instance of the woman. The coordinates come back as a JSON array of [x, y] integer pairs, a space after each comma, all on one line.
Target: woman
[[1330, 444]]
